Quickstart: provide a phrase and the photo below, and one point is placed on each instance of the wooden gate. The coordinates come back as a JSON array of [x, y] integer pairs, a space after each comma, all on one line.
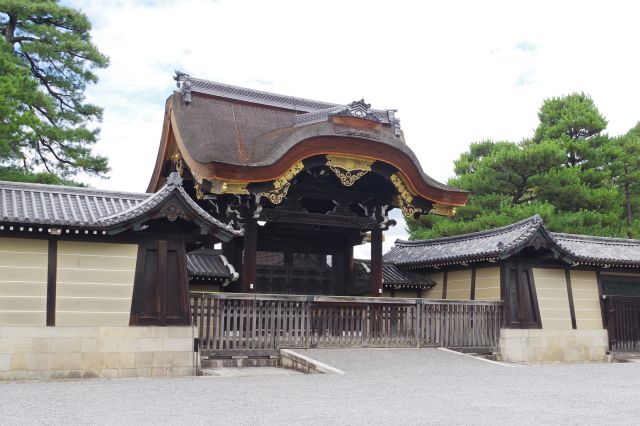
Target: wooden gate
[[623, 323], [241, 324]]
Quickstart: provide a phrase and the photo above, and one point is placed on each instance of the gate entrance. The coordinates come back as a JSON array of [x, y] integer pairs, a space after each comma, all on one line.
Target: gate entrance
[[622, 312]]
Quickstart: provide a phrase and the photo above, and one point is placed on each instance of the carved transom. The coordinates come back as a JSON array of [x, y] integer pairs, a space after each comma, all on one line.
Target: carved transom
[[282, 184], [172, 213]]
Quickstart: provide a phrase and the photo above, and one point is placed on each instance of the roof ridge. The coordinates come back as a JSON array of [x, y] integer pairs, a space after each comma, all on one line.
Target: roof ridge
[[27, 186], [260, 96], [618, 240], [534, 220]]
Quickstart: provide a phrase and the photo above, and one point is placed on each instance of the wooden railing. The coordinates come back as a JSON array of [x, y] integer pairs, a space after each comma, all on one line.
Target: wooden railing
[[230, 323], [623, 323]]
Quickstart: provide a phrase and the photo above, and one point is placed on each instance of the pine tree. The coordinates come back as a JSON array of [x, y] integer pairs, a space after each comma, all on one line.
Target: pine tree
[[47, 59]]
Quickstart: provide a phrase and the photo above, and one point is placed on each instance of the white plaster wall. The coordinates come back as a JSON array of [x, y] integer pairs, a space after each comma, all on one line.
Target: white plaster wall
[[94, 283], [23, 281]]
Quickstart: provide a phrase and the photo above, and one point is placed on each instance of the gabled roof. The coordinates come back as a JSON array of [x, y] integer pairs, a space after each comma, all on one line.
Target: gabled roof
[[95, 209], [210, 263], [500, 243], [392, 276]]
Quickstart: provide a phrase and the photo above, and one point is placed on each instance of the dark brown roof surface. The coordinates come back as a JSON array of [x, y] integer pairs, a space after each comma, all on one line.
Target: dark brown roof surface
[[503, 242], [235, 133]]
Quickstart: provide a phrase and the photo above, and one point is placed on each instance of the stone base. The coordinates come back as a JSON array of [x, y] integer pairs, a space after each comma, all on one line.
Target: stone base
[[540, 345], [44, 353]]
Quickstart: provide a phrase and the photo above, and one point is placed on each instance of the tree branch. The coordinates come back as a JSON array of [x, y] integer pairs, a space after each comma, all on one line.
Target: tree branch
[[46, 145], [38, 73]]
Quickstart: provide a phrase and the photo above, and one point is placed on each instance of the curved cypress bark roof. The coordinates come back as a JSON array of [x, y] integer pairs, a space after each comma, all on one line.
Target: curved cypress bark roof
[[237, 134], [500, 243]]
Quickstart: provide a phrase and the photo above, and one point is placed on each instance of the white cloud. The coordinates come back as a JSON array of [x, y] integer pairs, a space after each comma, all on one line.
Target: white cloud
[[457, 71]]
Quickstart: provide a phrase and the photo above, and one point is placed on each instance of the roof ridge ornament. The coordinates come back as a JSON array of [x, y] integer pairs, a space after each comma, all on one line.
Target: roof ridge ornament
[[174, 179], [394, 121], [183, 82], [358, 109]]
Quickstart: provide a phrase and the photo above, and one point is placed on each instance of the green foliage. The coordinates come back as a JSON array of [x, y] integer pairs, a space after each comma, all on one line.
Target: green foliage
[[572, 122], [570, 173], [46, 61]]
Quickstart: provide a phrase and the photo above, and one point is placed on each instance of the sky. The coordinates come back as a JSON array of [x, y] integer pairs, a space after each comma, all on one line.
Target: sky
[[457, 71]]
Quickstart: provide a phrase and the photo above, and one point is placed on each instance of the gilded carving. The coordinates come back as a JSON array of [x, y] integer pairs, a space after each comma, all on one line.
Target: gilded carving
[[277, 195], [402, 188], [443, 210], [348, 169], [289, 174], [408, 209], [178, 163], [199, 193], [235, 188], [347, 178], [282, 184]]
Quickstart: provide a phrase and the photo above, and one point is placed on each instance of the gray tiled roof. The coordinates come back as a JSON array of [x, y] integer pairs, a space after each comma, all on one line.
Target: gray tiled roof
[[62, 205], [600, 250], [393, 276], [478, 246], [209, 263], [52, 205], [256, 96], [500, 243]]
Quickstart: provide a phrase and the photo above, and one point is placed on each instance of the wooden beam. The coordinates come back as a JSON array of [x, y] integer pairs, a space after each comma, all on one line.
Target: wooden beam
[[572, 309], [249, 258], [376, 261], [288, 216], [52, 268], [301, 190]]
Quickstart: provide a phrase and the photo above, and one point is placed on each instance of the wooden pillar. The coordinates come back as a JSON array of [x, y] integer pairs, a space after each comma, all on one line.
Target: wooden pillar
[[376, 261], [51, 282], [249, 258]]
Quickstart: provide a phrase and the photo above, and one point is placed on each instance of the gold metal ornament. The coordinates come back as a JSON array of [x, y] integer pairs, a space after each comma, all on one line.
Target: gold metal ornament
[[282, 184], [443, 210], [277, 195], [402, 188], [199, 193], [178, 163], [408, 209], [235, 188], [348, 169]]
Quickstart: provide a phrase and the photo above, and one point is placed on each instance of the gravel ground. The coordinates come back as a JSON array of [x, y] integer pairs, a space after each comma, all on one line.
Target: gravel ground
[[407, 386]]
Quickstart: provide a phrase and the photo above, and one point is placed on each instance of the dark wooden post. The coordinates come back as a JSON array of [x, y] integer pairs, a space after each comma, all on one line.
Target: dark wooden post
[[51, 282], [161, 293], [249, 258], [376, 261]]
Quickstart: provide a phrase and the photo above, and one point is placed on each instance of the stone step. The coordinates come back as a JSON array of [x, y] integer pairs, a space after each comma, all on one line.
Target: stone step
[[239, 362]]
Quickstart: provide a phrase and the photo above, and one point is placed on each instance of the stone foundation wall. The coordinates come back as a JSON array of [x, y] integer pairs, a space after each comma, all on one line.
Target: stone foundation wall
[[43, 353], [540, 345]]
